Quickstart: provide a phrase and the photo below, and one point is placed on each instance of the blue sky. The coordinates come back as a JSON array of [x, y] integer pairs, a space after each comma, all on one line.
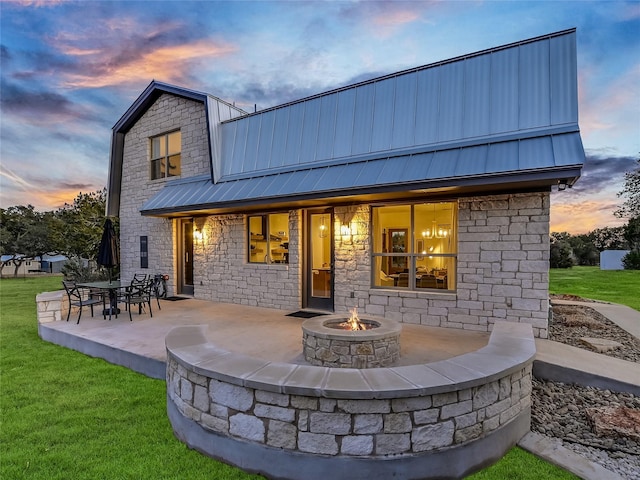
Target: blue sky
[[70, 70]]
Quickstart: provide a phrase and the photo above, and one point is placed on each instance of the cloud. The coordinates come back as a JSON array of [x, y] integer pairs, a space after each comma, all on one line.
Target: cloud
[[384, 19], [582, 217], [41, 107], [41, 190], [602, 172]]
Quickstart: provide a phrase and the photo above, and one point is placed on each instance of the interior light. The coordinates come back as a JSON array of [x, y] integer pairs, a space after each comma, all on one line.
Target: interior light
[[323, 228]]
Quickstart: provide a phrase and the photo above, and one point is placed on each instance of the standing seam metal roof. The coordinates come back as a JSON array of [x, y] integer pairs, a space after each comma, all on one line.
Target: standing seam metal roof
[[508, 113]]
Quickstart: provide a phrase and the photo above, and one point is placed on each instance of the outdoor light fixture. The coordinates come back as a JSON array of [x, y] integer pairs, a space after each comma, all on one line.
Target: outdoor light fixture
[[345, 230], [197, 235]]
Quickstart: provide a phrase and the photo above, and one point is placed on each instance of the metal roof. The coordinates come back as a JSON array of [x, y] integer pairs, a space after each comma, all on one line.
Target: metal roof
[[507, 115], [469, 166], [523, 87]]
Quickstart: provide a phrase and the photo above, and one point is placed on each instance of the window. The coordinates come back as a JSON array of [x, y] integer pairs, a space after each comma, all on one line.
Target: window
[[414, 246], [269, 238], [165, 155]]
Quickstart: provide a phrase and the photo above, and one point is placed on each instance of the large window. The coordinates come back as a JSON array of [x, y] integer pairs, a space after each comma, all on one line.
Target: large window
[[269, 238], [165, 155], [414, 246]]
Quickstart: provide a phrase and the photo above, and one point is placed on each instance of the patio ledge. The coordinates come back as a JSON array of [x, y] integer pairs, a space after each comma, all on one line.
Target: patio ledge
[[443, 419], [511, 347]]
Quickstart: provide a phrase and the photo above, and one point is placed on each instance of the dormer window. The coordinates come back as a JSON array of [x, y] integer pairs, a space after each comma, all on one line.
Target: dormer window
[[165, 155]]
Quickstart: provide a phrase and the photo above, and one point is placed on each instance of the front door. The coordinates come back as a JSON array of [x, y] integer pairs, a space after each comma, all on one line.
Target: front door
[[185, 256], [319, 259]]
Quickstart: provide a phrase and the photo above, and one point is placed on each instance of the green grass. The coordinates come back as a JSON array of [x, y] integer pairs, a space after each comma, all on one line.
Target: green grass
[[64, 415], [68, 416], [617, 286]]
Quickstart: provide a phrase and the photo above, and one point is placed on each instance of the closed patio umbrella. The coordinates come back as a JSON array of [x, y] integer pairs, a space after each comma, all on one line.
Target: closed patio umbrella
[[108, 251]]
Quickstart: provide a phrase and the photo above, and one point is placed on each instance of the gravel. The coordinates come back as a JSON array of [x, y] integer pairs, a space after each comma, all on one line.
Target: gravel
[[559, 410]]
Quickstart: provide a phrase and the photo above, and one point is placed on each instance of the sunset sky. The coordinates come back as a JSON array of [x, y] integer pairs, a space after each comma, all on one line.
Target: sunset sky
[[70, 70]]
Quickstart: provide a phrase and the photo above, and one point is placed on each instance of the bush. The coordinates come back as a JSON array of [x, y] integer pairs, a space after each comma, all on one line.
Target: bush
[[561, 255], [76, 270], [631, 260]]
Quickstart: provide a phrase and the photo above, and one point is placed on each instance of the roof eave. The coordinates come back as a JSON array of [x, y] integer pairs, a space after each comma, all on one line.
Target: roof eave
[[494, 183]]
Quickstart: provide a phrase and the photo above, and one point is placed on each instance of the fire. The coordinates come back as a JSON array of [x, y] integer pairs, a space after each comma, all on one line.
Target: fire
[[354, 321]]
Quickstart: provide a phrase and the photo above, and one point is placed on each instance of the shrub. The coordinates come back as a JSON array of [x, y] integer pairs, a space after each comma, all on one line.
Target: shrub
[[631, 261], [561, 255], [75, 269]]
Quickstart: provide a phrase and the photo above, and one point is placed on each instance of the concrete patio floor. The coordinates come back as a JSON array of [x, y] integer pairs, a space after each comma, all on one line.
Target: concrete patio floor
[[264, 333]]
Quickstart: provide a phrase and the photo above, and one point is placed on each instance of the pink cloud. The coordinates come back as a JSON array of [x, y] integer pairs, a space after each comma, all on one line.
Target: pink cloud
[[583, 217], [170, 63]]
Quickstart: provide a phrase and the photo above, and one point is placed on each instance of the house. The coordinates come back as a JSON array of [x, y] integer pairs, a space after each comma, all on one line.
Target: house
[[421, 196]]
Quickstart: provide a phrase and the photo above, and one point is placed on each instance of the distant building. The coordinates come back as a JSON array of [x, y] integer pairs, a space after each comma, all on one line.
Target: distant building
[[421, 196], [612, 259]]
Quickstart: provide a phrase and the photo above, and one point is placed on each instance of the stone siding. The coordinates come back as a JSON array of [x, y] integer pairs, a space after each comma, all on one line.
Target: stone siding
[[223, 273], [51, 306], [167, 114], [502, 271]]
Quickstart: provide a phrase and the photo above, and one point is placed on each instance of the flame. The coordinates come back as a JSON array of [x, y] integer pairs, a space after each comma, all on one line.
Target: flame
[[354, 321]]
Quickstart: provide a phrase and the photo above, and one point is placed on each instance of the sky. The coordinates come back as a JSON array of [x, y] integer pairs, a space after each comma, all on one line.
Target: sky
[[70, 70]]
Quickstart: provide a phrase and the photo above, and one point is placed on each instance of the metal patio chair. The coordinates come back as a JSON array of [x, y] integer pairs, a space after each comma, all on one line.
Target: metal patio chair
[[79, 298], [139, 293]]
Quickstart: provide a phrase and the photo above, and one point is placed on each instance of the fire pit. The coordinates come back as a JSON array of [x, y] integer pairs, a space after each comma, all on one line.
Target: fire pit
[[336, 341]]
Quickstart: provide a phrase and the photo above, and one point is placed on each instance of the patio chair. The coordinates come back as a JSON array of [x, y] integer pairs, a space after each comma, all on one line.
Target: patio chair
[[139, 293], [157, 287], [79, 298]]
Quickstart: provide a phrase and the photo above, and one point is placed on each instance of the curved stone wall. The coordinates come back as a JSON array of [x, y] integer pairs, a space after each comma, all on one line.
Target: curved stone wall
[[440, 420]]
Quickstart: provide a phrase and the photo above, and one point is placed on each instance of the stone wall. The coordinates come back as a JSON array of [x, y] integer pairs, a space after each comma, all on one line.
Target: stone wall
[[502, 273], [351, 427], [311, 414], [51, 306], [223, 273], [167, 114]]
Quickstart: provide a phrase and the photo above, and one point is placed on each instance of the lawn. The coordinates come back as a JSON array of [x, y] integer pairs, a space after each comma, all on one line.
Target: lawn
[[617, 286], [65, 415]]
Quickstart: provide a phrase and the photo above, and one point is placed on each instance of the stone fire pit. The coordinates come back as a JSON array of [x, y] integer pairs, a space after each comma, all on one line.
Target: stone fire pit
[[326, 343]]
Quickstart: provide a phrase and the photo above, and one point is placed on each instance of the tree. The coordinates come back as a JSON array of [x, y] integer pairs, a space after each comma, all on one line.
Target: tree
[[631, 206], [584, 250], [74, 230], [81, 224], [560, 252], [24, 235], [631, 261], [608, 238]]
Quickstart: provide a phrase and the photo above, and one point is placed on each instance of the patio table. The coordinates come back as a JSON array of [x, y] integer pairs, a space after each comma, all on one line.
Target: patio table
[[112, 288]]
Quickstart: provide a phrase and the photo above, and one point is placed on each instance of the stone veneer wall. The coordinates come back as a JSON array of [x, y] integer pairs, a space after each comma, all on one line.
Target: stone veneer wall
[[222, 272], [502, 274], [53, 307], [348, 427], [167, 114], [437, 420]]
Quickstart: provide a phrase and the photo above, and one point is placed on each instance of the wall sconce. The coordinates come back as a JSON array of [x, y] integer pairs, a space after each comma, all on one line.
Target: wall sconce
[[345, 230], [197, 235]]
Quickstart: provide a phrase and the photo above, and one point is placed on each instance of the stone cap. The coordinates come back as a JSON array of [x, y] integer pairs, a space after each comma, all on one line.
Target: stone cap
[[510, 347]]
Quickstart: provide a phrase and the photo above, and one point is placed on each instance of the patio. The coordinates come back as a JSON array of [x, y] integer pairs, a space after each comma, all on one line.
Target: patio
[[239, 390], [263, 333]]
